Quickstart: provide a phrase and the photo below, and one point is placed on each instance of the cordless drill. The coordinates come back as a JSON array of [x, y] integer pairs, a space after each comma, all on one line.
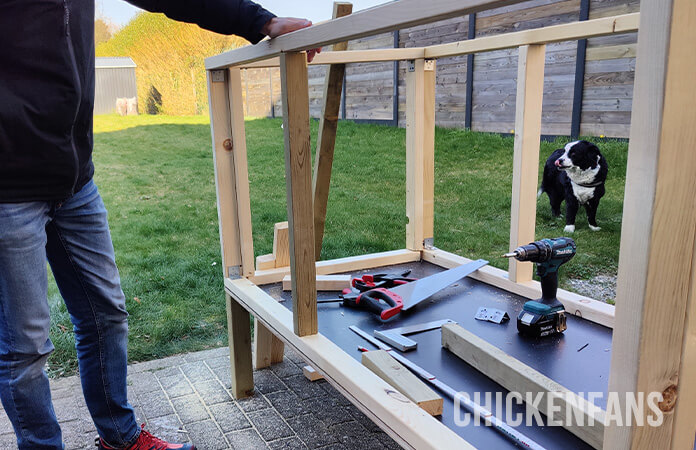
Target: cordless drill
[[546, 315]]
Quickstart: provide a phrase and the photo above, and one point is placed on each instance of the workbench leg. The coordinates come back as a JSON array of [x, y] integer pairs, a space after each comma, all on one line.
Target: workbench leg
[[420, 152], [525, 167], [239, 331], [298, 175], [268, 349], [654, 340], [326, 141]]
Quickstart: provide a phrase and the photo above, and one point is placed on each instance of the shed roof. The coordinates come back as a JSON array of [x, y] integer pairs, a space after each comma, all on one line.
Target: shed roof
[[111, 62]]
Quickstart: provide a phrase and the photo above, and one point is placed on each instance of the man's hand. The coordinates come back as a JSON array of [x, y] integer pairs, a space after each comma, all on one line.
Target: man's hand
[[282, 25]]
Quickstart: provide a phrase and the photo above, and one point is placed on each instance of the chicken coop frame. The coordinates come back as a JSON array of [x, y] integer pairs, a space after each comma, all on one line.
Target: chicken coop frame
[[654, 322]]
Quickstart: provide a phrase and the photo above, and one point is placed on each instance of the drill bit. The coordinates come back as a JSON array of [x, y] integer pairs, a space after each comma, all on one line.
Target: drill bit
[[510, 255]]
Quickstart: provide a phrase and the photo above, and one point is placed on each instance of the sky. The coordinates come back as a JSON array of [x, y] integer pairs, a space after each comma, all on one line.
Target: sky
[[121, 12]]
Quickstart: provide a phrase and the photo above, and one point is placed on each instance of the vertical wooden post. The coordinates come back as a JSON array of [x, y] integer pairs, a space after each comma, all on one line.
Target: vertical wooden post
[[420, 145], [333, 87], [298, 175], [238, 324], [653, 343], [525, 167]]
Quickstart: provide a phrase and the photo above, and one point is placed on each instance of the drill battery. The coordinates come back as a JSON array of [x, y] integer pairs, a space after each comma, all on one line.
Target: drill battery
[[539, 319]]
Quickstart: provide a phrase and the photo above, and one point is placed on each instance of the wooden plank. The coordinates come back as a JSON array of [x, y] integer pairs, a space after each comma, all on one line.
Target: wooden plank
[[401, 379], [239, 329], [281, 244], [326, 140], [324, 282], [350, 56], [658, 228], [298, 175], [415, 125], [311, 374], [611, 52], [241, 174], [387, 17], [525, 166], [565, 32], [409, 425], [577, 415], [268, 349], [428, 144], [349, 264], [578, 305], [264, 262]]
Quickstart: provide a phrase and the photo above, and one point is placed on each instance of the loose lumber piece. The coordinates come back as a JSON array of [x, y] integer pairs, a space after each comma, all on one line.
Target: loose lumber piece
[[298, 175], [238, 328], [281, 244], [265, 262], [326, 140], [348, 264], [311, 374], [420, 149], [405, 422], [585, 307], [515, 376], [399, 377], [655, 281], [268, 349], [388, 17], [525, 166], [324, 282]]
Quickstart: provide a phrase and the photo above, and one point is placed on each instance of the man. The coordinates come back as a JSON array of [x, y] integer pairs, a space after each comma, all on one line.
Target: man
[[51, 210]]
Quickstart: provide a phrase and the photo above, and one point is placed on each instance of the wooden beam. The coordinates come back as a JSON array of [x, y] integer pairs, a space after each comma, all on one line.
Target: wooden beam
[[578, 305], [268, 349], [238, 323], [349, 56], [401, 379], [525, 167], [326, 140], [409, 425], [579, 416], [420, 147], [349, 264], [311, 374], [324, 282], [281, 244], [604, 26], [298, 175], [381, 19], [264, 262], [658, 231]]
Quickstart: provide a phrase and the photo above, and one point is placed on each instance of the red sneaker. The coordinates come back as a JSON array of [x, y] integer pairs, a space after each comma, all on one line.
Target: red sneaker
[[146, 441]]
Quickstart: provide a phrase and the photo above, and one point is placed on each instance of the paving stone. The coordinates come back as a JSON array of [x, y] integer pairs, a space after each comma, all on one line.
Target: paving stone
[[353, 435], [157, 405], [207, 354], [287, 403], [167, 372], [229, 417], [333, 392], [270, 425], [328, 410], [294, 357], [212, 392], [292, 443], [168, 428], [197, 371], [266, 382], [143, 382], [155, 364], [5, 424], [8, 441], [246, 440], [190, 409], [362, 419], [333, 447], [312, 431], [205, 435], [387, 442], [286, 368], [176, 386], [67, 408], [222, 361], [253, 403], [223, 374], [303, 387], [78, 433]]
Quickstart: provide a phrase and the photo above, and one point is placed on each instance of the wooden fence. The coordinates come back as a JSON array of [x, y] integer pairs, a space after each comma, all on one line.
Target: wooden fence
[[588, 85]]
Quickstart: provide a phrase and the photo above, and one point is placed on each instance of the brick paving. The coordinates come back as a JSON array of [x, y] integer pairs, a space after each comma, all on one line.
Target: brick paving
[[186, 398]]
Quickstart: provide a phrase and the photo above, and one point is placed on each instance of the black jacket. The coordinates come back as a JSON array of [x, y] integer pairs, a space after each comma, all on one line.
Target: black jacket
[[47, 86]]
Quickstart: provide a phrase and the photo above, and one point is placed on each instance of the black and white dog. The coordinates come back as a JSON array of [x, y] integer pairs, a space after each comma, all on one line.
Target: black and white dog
[[575, 174]]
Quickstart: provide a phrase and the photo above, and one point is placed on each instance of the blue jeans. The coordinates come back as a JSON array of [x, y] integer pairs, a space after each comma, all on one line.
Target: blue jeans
[[74, 237]]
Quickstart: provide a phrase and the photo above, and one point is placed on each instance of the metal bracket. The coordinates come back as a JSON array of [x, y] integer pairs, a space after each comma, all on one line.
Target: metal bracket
[[397, 338], [429, 65], [234, 272], [411, 65], [428, 243], [217, 76]]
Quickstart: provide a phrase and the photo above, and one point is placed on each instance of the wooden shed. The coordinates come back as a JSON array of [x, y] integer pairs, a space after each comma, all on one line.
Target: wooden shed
[[115, 78]]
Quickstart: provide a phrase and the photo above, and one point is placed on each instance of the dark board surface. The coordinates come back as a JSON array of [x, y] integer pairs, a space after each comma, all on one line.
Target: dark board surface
[[557, 357]]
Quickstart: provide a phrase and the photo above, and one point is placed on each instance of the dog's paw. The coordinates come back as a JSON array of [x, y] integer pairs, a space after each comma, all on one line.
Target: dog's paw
[[595, 228], [569, 229]]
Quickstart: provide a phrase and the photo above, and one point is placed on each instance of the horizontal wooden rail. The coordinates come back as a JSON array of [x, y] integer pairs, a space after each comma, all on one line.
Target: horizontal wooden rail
[[380, 19], [625, 23]]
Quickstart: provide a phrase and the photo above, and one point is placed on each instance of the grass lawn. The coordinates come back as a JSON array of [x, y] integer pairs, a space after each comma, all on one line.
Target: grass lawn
[[155, 174]]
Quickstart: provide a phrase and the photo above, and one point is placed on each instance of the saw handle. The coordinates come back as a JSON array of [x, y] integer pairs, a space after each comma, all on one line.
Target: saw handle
[[389, 306]]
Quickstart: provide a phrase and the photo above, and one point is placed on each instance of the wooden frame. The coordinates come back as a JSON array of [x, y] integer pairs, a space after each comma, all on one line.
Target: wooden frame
[[654, 346]]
